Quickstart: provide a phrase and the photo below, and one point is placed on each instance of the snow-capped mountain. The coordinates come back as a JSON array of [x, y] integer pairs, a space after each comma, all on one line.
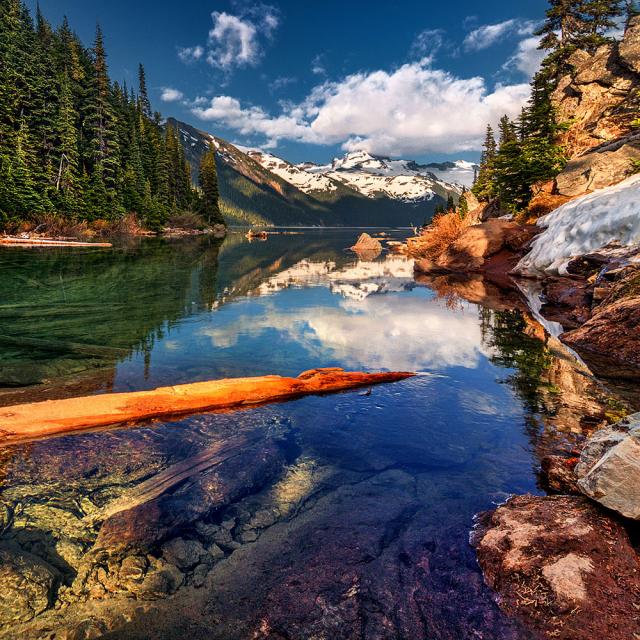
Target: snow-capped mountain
[[371, 176], [258, 188]]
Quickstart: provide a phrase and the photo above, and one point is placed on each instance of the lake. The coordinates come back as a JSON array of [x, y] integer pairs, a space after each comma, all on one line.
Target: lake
[[340, 516]]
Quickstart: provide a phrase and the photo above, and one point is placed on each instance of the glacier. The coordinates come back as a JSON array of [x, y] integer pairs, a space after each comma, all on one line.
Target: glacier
[[584, 225]]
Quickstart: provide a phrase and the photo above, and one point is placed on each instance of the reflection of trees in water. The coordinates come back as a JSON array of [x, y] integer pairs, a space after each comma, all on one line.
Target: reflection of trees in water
[[115, 303], [563, 402], [504, 331]]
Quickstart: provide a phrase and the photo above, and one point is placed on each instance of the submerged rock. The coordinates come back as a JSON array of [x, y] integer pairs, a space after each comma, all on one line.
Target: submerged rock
[[27, 585], [562, 565], [609, 467]]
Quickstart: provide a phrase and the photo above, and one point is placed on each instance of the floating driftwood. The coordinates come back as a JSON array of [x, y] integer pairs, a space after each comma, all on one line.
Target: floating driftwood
[[50, 242], [40, 419]]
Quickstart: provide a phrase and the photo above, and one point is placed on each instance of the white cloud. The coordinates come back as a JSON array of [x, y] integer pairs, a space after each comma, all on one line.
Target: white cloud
[[527, 57], [253, 120], [171, 95], [317, 65], [235, 40], [414, 109], [427, 43], [281, 82], [488, 34], [190, 54]]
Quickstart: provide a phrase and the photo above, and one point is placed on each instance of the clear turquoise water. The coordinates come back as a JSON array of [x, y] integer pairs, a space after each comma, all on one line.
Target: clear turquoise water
[[451, 442]]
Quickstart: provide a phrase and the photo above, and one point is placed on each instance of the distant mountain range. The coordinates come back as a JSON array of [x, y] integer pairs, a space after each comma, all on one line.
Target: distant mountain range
[[356, 190]]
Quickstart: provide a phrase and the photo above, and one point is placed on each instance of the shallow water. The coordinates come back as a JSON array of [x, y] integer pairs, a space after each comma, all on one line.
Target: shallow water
[[344, 516]]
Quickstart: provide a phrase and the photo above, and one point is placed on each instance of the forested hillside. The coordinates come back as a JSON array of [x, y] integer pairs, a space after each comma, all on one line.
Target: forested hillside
[[75, 144], [535, 148]]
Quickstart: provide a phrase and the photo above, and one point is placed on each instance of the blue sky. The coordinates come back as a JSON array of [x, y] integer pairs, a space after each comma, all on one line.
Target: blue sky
[[311, 80]]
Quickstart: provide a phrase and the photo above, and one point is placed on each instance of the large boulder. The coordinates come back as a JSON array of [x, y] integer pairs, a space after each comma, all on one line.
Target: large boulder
[[610, 341], [562, 565], [476, 244], [367, 243], [601, 167], [598, 97], [629, 48], [609, 467]]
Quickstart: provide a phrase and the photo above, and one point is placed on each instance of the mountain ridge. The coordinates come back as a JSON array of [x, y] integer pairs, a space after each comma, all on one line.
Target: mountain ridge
[[257, 187]]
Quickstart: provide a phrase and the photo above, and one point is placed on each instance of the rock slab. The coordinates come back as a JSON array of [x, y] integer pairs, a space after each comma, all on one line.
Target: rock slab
[[562, 566], [609, 467]]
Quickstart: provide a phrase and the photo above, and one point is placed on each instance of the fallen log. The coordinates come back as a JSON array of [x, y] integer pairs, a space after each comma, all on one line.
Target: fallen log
[[176, 474], [41, 419], [50, 242]]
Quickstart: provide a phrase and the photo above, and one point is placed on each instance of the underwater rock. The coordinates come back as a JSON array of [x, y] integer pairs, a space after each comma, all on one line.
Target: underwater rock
[[27, 585]]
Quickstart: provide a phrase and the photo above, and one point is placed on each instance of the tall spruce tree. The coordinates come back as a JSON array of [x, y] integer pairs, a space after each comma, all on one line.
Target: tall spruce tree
[[208, 178], [483, 186], [143, 93]]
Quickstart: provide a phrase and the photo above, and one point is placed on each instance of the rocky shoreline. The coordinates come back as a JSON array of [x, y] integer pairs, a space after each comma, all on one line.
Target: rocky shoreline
[[566, 565]]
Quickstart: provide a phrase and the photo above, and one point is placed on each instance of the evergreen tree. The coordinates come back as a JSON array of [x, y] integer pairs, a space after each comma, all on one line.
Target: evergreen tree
[[451, 205], [463, 206], [73, 142], [100, 121], [143, 95], [483, 186], [575, 24], [208, 178]]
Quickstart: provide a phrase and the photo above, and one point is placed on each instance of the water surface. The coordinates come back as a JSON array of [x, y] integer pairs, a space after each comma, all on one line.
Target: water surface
[[344, 516]]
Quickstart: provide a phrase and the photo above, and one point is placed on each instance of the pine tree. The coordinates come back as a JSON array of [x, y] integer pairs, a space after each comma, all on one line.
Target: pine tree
[[463, 206], [100, 122], [575, 24], [73, 142], [66, 146], [143, 94], [451, 205], [483, 186], [208, 178]]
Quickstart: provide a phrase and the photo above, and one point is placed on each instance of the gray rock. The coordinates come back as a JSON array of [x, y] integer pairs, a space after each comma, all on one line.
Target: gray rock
[[158, 584], [27, 585], [601, 167], [609, 467], [183, 553], [629, 49]]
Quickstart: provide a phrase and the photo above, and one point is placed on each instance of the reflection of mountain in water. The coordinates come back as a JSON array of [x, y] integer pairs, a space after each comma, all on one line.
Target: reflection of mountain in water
[[356, 281]]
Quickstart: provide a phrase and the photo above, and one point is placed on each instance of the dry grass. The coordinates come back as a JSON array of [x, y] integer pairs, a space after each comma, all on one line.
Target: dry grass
[[443, 231], [55, 226], [186, 221], [51, 225]]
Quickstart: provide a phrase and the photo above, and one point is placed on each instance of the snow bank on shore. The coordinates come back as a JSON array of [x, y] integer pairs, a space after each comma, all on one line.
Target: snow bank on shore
[[584, 225]]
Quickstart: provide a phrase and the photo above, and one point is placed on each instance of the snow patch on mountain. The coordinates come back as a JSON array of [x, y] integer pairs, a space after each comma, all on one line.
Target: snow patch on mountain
[[371, 176], [458, 172], [584, 225], [303, 180]]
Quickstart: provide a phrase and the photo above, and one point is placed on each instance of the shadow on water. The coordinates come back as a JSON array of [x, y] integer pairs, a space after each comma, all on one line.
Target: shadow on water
[[342, 516]]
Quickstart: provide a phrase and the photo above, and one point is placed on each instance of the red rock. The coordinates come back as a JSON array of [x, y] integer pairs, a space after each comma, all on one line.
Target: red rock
[[562, 566], [610, 341]]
